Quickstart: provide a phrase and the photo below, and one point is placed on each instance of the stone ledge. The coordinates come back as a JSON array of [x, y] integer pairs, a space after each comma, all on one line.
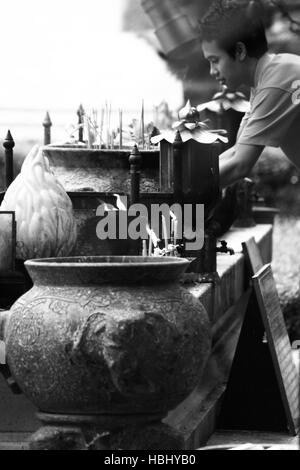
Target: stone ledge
[[231, 269], [226, 303]]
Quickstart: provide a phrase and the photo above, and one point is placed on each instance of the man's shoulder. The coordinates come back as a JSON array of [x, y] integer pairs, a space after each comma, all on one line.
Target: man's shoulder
[[281, 72], [286, 60]]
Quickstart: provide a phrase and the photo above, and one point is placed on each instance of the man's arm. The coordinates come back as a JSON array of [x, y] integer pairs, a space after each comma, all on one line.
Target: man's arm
[[229, 153], [237, 162]]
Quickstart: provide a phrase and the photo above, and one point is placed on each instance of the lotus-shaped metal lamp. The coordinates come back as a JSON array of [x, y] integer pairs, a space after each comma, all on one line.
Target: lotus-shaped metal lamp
[[224, 100], [190, 127]]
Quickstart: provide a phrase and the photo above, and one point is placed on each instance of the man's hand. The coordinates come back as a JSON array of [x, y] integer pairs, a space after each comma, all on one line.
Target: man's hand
[[237, 162]]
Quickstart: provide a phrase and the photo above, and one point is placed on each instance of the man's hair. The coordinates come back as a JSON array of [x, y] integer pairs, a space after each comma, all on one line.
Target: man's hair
[[231, 21]]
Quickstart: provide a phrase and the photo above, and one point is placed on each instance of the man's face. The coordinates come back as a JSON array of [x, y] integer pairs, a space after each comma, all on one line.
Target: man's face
[[223, 67]]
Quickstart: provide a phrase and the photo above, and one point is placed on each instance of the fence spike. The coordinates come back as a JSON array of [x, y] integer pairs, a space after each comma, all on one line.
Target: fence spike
[[80, 114], [47, 129], [135, 160], [8, 145]]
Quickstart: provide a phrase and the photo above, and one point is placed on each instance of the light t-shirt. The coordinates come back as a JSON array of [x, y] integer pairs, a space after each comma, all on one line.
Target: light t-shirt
[[274, 116]]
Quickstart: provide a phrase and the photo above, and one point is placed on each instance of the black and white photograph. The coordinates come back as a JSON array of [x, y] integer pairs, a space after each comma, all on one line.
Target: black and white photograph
[[150, 228]]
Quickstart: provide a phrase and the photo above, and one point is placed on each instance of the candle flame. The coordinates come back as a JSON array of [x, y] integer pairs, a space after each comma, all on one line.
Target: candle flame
[[173, 216], [119, 203], [152, 235]]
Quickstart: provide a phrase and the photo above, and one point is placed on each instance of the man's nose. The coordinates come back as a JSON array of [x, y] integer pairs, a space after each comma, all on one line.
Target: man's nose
[[213, 71]]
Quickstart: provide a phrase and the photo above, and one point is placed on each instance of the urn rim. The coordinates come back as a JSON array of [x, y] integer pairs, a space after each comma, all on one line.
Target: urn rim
[[108, 260], [79, 149], [104, 269]]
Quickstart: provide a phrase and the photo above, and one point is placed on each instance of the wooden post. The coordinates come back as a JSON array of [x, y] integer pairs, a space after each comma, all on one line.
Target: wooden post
[[80, 113], [135, 171], [9, 144], [47, 129], [177, 168]]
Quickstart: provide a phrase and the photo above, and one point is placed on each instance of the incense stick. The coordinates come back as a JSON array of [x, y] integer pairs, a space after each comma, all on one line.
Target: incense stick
[[106, 118], [155, 116], [143, 125], [121, 127], [101, 127], [109, 121], [88, 131], [144, 252], [95, 126]]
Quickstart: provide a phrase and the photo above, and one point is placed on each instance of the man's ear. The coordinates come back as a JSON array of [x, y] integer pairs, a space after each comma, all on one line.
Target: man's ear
[[240, 51]]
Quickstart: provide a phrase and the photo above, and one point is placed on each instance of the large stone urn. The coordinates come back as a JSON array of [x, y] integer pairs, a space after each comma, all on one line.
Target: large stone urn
[[81, 169], [104, 343]]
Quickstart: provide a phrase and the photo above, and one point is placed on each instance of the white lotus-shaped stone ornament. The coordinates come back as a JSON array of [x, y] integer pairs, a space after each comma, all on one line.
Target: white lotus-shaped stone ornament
[[46, 226]]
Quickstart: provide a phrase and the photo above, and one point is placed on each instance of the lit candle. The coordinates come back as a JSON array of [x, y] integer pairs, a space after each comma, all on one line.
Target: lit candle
[[174, 219], [150, 247], [165, 233], [149, 231], [144, 253], [175, 231], [119, 203], [172, 231], [157, 251], [155, 239]]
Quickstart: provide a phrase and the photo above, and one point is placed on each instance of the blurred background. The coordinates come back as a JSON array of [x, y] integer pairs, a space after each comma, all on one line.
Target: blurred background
[[93, 52], [60, 54], [68, 53]]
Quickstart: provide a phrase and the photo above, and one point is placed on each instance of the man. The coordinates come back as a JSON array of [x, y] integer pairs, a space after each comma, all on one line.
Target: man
[[234, 42]]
